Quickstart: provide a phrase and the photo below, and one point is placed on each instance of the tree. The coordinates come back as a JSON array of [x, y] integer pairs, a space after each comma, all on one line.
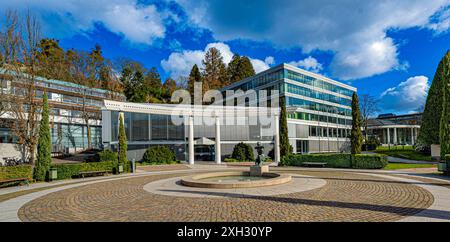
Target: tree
[[169, 86], [194, 77], [153, 86], [132, 78], [122, 142], [239, 68], [369, 106], [44, 150], [51, 59], [247, 69], [444, 134], [214, 72], [429, 129], [19, 46], [356, 134], [82, 72], [285, 147]]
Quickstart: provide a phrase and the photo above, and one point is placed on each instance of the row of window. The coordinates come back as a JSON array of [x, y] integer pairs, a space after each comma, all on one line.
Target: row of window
[[317, 83], [261, 80], [144, 127], [291, 101], [319, 118], [318, 95], [316, 131]]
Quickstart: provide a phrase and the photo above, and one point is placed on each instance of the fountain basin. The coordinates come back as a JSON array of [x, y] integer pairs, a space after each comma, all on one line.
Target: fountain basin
[[234, 179]]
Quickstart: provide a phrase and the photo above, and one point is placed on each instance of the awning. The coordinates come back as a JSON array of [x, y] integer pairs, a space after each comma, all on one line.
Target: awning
[[204, 141]]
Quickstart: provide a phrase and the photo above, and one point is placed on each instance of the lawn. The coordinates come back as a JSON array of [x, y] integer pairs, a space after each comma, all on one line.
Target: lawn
[[396, 166], [405, 152]]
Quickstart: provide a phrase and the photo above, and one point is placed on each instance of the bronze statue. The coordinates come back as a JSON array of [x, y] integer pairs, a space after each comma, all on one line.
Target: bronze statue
[[260, 158]]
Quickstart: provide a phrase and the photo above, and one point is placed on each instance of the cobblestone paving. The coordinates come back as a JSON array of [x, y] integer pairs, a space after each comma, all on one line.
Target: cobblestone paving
[[345, 197]]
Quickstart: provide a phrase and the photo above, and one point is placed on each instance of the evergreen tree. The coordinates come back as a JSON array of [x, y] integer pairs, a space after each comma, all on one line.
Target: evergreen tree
[[44, 158], [429, 129], [247, 69], [122, 143], [214, 72], [233, 69], [153, 86], [285, 147], [444, 122], [356, 134], [239, 68], [194, 76]]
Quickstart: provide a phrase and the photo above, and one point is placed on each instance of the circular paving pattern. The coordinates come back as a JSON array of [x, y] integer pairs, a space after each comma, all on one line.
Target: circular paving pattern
[[344, 197], [172, 187]]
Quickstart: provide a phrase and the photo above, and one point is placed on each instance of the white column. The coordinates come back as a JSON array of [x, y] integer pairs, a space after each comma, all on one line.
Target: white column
[[412, 136], [218, 152], [395, 136], [191, 140], [277, 139], [388, 136]]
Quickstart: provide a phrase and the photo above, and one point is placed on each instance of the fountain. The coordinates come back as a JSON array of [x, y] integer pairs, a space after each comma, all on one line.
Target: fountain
[[258, 176]]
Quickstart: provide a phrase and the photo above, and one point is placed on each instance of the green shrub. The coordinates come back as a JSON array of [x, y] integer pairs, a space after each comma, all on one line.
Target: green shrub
[[332, 160], [15, 172], [105, 155], [338, 160], [67, 171], [363, 161], [159, 155], [243, 152]]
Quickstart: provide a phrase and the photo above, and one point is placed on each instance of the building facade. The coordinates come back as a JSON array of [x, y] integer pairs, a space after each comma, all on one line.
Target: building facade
[[68, 102], [193, 132], [391, 129], [319, 109]]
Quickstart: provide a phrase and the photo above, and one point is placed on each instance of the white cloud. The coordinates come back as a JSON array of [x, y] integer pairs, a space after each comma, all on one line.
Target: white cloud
[[270, 60], [137, 23], [309, 64], [180, 63], [354, 30], [407, 96], [440, 22]]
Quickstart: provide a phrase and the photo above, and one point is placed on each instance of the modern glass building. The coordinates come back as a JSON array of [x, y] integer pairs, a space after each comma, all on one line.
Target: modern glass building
[[67, 101], [319, 109], [197, 133]]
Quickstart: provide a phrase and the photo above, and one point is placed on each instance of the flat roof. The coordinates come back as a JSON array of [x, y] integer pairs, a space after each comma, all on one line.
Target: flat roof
[[292, 68]]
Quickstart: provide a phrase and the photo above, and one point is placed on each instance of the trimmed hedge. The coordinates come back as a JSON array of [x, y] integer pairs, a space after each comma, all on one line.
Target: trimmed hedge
[[15, 172], [363, 161], [359, 161], [159, 155], [67, 171], [105, 155]]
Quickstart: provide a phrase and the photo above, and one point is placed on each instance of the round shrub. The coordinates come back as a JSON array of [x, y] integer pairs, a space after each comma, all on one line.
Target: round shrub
[[243, 152], [159, 155]]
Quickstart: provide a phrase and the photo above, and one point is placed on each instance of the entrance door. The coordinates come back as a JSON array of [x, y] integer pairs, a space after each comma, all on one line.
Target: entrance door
[[204, 153]]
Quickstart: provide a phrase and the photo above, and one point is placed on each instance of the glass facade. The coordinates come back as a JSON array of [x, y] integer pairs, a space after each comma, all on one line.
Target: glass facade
[[321, 100]]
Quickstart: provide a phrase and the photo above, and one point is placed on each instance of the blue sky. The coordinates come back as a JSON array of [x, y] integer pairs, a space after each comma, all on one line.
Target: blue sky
[[389, 49]]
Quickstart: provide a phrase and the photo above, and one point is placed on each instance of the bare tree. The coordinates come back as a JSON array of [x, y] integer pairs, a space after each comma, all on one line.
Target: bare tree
[[19, 44], [369, 106], [82, 72]]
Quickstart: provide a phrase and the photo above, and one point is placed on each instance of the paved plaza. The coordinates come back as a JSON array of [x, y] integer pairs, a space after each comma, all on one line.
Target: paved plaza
[[312, 195]]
